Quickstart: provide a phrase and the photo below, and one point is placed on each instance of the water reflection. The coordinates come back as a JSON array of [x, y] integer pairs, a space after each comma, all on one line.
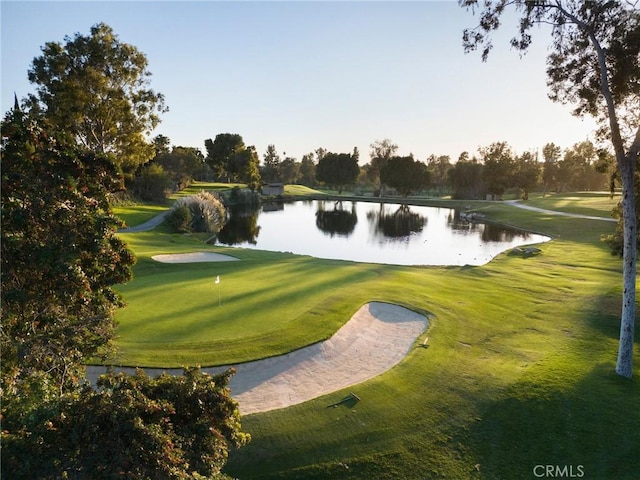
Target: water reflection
[[393, 233], [338, 221], [488, 232], [241, 227], [401, 223]]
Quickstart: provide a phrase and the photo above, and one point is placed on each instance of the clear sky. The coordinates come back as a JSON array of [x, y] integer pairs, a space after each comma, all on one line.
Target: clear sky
[[303, 75]]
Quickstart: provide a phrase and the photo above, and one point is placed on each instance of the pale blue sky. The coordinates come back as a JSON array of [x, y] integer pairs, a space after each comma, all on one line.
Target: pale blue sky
[[303, 75]]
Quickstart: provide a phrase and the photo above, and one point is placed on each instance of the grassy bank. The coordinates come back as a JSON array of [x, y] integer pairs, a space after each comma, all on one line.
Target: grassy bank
[[519, 371], [598, 204]]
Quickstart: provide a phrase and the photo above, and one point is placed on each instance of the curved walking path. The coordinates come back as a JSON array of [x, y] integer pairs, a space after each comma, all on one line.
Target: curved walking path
[[516, 203], [148, 225], [376, 338]]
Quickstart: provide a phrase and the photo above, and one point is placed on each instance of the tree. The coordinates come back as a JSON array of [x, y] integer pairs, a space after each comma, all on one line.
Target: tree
[[153, 184], [60, 259], [290, 170], [593, 64], [439, 167], [170, 427], [380, 153], [320, 153], [579, 162], [308, 170], [405, 174], [356, 154], [246, 166], [162, 144], [60, 255], [97, 88], [337, 170], [616, 239], [526, 173], [498, 159], [271, 164], [221, 154], [183, 164], [466, 179], [551, 154]]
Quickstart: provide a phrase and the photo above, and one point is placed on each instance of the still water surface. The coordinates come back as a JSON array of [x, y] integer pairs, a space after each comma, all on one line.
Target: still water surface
[[371, 232]]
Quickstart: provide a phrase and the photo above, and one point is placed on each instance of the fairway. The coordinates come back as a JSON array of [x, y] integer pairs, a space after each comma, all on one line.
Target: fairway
[[522, 351]]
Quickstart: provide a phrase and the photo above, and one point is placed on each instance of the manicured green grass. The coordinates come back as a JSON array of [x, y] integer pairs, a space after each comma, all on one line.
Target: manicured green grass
[[133, 215], [300, 191], [264, 305], [197, 187], [598, 204], [519, 371]]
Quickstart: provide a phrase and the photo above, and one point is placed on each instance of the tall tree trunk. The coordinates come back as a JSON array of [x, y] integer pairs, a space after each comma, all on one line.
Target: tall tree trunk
[[626, 166], [624, 365]]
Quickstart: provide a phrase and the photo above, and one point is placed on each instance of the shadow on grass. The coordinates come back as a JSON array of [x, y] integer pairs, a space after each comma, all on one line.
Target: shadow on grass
[[604, 314], [349, 401], [591, 427]]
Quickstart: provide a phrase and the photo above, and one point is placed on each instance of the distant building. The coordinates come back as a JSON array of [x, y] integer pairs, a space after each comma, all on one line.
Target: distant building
[[273, 189]]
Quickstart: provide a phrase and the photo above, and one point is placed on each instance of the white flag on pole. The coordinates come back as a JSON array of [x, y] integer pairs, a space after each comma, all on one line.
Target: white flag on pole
[[217, 278]]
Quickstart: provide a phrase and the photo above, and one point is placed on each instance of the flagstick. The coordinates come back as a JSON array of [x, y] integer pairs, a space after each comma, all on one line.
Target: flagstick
[[218, 282]]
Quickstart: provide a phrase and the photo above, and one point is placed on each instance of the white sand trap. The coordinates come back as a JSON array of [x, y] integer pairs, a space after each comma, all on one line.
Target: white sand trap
[[376, 338], [194, 257]]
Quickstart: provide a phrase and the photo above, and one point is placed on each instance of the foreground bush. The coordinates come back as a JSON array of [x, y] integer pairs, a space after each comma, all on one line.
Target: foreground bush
[[203, 212], [132, 426]]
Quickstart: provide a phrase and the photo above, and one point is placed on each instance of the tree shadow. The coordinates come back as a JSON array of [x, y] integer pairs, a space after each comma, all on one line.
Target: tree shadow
[[591, 427], [605, 312]]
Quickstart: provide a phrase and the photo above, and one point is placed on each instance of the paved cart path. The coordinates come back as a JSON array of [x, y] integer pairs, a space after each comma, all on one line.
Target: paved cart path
[[516, 203]]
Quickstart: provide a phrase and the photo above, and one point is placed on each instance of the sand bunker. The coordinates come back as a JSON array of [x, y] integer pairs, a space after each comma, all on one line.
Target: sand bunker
[[193, 257], [377, 337]]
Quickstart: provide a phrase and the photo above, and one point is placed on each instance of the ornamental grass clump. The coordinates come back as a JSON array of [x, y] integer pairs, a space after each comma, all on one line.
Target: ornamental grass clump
[[203, 212]]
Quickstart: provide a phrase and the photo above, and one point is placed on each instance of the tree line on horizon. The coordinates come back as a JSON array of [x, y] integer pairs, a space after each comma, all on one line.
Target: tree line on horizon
[[494, 170]]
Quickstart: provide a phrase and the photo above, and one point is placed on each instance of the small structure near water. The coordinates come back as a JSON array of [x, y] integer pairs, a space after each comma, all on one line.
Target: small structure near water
[[270, 189]]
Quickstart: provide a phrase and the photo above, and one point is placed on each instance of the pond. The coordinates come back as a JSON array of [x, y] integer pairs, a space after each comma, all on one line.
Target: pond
[[371, 232]]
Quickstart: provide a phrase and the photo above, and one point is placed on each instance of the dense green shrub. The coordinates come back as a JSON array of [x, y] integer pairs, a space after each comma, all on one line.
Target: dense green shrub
[[203, 212], [179, 219], [243, 196], [128, 426], [152, 184]]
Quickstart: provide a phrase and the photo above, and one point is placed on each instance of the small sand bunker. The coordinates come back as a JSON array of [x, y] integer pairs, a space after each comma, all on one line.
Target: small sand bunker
[[194, 257]]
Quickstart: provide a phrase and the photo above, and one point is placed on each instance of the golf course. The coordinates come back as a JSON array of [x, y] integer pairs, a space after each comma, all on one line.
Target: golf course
[[518, 373]]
